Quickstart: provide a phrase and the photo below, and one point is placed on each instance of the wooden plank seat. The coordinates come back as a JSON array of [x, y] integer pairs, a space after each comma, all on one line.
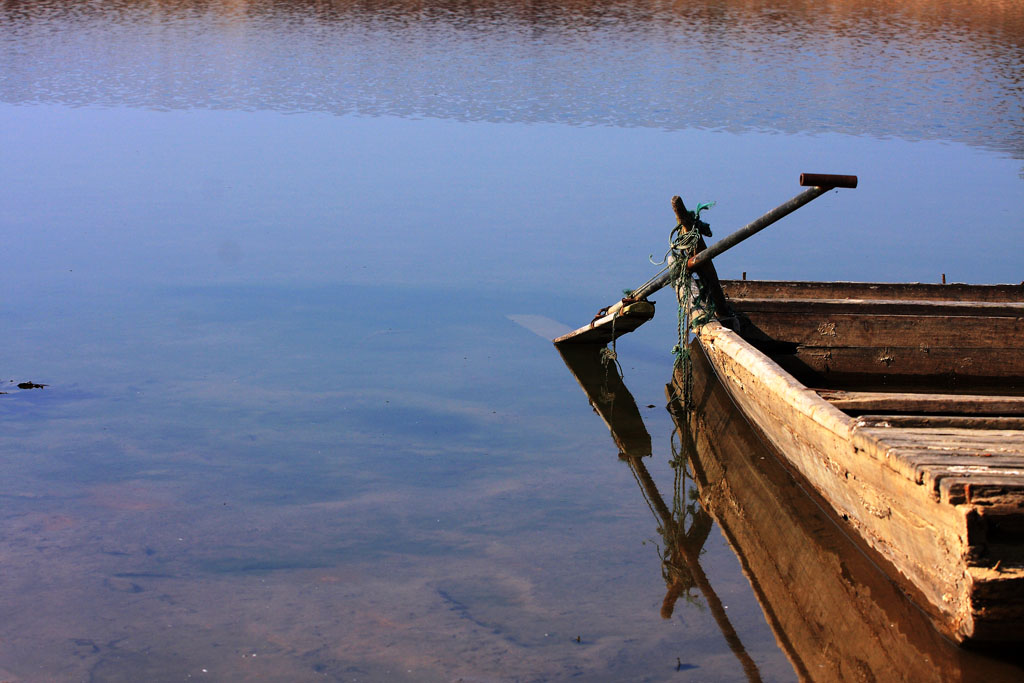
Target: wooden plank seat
[[947, 454], [929, 403]]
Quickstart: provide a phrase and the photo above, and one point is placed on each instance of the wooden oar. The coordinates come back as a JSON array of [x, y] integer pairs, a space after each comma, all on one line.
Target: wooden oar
[[633, 311]]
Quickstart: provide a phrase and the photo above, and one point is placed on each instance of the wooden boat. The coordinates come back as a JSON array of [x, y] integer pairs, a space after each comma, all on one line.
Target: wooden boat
[[903, 407]]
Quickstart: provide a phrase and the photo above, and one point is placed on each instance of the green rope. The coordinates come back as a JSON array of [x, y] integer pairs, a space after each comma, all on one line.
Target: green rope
[[683, 244], [685, 511]]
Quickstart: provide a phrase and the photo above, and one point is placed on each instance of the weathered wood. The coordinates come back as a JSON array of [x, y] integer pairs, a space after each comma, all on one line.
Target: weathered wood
[[987, 441], [993, 492], [792, 290], [609, 327], [884, 476], [944, 367], [707, 271], [828, 333], [963, 404], [941, 421], [923, 466], [862, 489], [931, 477], [908, 461], [929, 454], [880, 330], [872, 307]]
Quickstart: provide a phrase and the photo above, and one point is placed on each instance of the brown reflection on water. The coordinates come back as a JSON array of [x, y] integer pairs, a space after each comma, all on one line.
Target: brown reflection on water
[[998, 16], [834, 607], [916, 69], [999, 20]]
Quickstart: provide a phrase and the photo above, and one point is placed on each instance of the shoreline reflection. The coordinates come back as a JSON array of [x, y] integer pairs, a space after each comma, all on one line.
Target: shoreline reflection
[[878, 68]]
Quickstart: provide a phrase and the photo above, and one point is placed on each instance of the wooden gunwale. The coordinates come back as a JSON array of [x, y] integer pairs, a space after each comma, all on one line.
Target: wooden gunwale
[[861, 306], [875, 291], [930, 497]]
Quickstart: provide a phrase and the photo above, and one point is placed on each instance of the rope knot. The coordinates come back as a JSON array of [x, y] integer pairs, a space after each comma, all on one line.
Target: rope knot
[[692, 292]]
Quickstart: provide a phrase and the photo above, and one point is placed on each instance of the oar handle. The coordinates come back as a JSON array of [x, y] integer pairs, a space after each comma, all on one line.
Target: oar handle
[[829, 182]]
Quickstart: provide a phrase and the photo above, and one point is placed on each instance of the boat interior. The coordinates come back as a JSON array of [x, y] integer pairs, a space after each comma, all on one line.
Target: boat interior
[[932, 376], [902, 349]]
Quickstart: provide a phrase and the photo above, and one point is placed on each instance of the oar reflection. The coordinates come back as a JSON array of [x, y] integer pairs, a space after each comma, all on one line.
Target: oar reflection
[[684, 527]]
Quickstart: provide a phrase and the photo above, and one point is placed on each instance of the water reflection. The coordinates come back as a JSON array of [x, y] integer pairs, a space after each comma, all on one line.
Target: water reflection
[[684, 527], [878, 67], [834, 611]]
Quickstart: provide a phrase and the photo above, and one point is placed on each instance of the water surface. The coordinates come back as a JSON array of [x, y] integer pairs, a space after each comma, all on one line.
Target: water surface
[[269, 258]]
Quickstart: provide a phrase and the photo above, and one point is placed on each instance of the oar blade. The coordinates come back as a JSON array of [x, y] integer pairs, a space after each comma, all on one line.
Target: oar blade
[[609, 327]]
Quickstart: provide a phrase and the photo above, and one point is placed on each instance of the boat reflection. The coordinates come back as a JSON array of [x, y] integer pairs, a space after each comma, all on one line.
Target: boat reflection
[[686, 525], [835, 611]]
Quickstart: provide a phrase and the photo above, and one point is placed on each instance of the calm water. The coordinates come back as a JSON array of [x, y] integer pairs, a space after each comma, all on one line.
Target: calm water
[[289, 270]]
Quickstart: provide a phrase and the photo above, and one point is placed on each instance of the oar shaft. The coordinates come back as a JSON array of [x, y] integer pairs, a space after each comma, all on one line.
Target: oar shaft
[[704, 256], [652, 285], [818, 183], [701, 261], [755, 226]]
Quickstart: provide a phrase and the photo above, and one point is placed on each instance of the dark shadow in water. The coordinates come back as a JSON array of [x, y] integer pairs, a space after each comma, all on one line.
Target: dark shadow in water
[[835, 610]]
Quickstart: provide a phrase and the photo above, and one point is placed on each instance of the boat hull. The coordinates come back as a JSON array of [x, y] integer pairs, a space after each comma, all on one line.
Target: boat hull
[[960, 553], [833, 605]]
